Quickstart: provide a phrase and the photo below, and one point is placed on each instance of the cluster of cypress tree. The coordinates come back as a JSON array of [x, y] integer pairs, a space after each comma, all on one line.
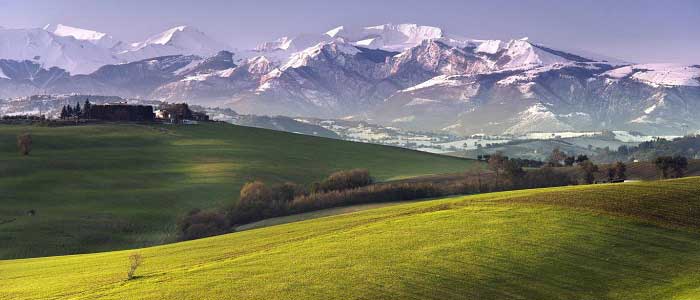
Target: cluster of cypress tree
[[68, 111]]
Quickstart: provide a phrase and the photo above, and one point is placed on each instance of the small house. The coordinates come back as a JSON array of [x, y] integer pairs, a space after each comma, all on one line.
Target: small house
[[180, 113]]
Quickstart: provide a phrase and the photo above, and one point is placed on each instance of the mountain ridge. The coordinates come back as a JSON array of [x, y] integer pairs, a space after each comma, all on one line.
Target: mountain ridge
[[404, 75]]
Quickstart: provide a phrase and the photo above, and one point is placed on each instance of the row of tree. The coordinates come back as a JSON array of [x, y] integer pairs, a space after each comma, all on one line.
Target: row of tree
[[524, 162], [258, 201], [512, 169], [68, 112], [687, 146]]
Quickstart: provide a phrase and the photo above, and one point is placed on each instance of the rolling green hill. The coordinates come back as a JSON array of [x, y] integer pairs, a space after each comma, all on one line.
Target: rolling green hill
[[615, 241], [106, 187]]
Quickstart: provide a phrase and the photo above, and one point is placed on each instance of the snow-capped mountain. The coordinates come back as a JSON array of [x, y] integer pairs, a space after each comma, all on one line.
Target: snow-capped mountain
[[99, 39], [83, 51], [51, 50], [387, 37], [179, 40], [406, 75]]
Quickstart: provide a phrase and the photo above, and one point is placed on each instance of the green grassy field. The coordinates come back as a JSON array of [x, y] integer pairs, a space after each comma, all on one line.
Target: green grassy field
[[107, 187], [616, 241]]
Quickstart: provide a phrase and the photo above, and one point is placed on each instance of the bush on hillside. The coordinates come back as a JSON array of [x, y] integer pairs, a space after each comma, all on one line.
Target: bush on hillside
[[199, 224], [258, 202], [344, 180], [368, 194]]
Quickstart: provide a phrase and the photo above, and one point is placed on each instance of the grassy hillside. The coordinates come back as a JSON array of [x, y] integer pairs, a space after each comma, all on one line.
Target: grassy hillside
[[106, 187], [620, 241]]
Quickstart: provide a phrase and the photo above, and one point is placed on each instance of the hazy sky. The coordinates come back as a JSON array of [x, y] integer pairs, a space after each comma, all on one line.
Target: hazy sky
[[639, 31]]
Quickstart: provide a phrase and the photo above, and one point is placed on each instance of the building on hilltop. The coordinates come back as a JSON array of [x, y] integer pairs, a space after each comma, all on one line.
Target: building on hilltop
[[180, 113], [122, 112]]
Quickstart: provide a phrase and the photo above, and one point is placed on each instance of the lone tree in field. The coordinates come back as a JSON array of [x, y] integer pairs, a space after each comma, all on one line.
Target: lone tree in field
[[24, 143], [589, 169], [135, 261]]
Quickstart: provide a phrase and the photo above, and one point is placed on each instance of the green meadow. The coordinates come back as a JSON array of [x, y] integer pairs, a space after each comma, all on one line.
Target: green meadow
[[613, 241], [120, 186]]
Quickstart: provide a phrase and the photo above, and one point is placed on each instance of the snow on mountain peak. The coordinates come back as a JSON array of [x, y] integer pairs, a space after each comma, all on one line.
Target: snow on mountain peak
[[387, 36], [302, 58], [523, 53], [168, 35], [659, 74], [82, 51], [489, 46], [335, 31], [293, 44], [77, 33], [97, 38], [183, 40], [51, 50]]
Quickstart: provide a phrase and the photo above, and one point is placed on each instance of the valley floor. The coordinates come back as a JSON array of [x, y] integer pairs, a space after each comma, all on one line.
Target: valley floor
[[614, 241]]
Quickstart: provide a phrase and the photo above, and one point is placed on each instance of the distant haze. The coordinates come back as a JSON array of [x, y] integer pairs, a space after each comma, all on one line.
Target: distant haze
[[638, 31]]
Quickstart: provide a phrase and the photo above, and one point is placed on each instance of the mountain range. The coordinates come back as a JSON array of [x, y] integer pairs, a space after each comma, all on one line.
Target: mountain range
[[405, 76]]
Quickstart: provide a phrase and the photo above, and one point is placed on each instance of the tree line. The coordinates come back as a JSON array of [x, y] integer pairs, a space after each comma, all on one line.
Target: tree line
[[687, 146], [671, 166], [258, 200], [667, 166], [68, 112]]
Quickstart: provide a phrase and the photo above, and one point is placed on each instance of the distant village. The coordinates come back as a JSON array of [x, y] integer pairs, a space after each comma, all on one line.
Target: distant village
[[177, 113]]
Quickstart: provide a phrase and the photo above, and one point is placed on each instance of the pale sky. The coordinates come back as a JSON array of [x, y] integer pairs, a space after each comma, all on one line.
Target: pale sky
[[637, 31]]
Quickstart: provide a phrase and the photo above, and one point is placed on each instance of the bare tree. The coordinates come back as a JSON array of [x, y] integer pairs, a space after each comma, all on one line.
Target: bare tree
[[24, 143], [497, 162], [135, 261]]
